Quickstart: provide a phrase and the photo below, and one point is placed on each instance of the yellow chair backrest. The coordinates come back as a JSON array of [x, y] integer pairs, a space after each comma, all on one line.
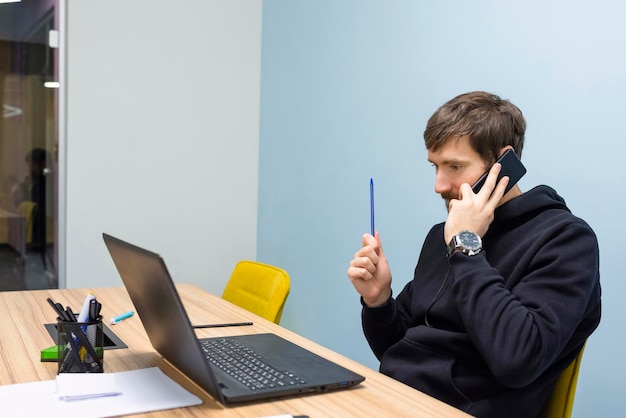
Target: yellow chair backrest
[[27, 209], [561, 401], [260, 288], [5, 200]]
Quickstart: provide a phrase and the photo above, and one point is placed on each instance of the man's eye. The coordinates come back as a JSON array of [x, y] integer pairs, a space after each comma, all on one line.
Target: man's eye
[[455, 167]]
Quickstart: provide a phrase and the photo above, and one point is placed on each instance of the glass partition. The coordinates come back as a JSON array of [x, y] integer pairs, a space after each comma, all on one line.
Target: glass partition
[[28, 144]]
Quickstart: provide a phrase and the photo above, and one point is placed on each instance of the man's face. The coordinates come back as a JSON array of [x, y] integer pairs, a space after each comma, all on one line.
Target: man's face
[[456, 162]]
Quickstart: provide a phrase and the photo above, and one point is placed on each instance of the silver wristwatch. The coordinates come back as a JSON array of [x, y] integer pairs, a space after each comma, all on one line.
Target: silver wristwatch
[[465, 241]]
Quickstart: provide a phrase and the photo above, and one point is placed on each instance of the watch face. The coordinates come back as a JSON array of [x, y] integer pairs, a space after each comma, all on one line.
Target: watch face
[[470, 240]]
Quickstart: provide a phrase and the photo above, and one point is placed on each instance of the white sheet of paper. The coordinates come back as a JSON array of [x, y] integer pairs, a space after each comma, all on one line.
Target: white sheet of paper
[[143, 390], [80, 386]]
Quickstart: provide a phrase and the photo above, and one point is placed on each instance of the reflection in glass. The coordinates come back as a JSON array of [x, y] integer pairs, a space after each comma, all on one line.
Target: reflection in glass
[[28, 138]]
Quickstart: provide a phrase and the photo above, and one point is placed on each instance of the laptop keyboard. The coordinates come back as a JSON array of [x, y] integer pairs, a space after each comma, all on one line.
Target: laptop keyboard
[[245, 365]]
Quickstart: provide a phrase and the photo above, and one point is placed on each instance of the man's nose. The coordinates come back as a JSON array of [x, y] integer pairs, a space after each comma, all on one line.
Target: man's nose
[[442, 184]]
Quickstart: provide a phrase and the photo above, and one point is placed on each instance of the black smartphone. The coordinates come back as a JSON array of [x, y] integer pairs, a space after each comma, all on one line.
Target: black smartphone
[[512, 167]]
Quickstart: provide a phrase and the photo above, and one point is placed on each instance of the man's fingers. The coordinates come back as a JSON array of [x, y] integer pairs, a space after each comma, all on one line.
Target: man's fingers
[[365, 260], [359, 273], [490, 182], [368, 239]]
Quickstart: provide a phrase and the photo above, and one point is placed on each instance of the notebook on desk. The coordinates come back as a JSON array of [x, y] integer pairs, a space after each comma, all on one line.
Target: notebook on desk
[[231, 369]]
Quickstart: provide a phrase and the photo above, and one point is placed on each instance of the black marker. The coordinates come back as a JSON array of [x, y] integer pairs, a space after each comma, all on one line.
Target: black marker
[[233, 324], [58, 308]]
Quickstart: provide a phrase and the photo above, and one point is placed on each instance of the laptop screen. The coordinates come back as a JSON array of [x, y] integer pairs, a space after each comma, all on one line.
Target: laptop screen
[[154, 295]]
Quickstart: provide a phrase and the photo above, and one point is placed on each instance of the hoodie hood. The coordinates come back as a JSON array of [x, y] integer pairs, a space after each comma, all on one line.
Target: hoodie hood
[[538, 199]]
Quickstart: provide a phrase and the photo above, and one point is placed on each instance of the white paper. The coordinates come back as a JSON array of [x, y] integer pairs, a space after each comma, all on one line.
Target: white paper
[[81, 386], [279, 416], [143, 390]]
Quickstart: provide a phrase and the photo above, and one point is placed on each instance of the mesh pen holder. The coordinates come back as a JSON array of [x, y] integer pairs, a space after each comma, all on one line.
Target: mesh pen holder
[[81, 346]]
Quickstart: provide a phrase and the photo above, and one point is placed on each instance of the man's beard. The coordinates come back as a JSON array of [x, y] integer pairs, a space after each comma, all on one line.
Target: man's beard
[[447, 197]]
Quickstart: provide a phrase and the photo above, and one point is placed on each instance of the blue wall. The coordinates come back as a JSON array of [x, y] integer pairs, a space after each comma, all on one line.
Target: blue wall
[[346, 89]]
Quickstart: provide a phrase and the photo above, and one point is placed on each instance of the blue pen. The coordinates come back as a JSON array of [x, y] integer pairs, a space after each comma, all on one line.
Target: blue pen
[[372, 205], [120, 318]]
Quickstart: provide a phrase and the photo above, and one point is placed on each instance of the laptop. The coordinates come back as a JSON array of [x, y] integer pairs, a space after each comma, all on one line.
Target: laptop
[[277, 367]]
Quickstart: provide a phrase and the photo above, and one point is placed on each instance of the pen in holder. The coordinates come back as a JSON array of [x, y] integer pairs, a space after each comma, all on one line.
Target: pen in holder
[[81, 346]]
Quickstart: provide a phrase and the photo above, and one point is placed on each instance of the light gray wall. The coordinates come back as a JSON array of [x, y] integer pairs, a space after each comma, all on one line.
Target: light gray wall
[[347, 87], [162, 135]]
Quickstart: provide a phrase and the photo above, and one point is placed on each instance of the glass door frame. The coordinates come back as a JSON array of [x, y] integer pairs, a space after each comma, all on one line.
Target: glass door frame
[[61, 146]]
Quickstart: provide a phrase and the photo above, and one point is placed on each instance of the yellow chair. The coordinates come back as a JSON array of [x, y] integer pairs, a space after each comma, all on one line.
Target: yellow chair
[[561, 401], [5, 201], [27, 209], [260, 288]]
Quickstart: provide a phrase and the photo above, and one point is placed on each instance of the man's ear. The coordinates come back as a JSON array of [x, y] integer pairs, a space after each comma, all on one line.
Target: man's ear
[[504, 149]]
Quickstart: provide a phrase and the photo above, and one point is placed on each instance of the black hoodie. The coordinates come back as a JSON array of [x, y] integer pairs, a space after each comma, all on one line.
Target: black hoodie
[[491, 333]]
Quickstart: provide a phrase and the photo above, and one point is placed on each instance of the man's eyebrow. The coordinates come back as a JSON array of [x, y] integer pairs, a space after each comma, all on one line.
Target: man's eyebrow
[[450, 161]]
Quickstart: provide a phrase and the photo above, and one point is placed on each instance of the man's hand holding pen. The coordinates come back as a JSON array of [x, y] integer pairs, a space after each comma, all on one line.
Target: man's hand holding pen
[[369, 272]]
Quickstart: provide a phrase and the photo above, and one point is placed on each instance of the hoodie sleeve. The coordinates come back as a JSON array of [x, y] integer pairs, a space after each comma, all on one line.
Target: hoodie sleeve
[[520, 327], [383, 326]]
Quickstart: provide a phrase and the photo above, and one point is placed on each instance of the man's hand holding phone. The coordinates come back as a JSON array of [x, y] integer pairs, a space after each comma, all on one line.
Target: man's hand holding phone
[[475, 207], [474, 211], [512, 168]]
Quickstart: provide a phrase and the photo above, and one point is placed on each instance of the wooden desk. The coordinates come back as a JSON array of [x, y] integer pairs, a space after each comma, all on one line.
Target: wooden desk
[[22, 335]]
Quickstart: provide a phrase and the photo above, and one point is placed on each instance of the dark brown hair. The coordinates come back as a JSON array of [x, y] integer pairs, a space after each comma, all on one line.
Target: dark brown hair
[[490, 122]]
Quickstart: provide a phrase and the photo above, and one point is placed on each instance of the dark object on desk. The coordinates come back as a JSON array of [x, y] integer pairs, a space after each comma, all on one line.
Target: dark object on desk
[[166, 322], [62, 315], [111, 341], [80, 346], [232, 324]]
